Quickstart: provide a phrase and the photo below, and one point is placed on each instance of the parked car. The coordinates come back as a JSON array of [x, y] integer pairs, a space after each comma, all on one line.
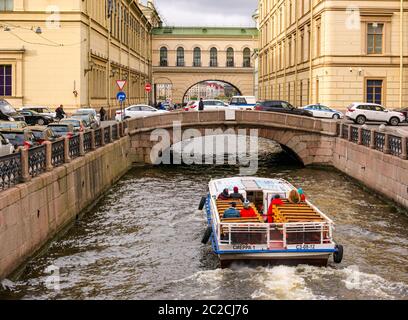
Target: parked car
[[78, 124], [8, 110], [62, 129], [42, 134], [362, 112], [88, 118], [321, 111], [19, 137], [404, 111], [138, 111], [6, 147], [35, 118], [210, 104], [281, 107], [42, 110], [90, 111], [242, 102], [13, 125]]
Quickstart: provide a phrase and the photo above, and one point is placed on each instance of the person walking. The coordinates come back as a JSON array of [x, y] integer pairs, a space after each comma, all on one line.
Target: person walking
[[60, 113], [102, 114], [201, 105]]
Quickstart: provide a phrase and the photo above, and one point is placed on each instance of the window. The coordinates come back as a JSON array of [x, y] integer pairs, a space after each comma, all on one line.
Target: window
[[247, 58], [213, 57], [180, 57], [6, 5], [6, 80], [230, 57], [374, 91], [197, 57], [163, 57], [375, 38]]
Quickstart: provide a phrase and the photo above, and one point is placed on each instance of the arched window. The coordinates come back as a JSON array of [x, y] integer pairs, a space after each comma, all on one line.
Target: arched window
[[213, 57], [197, 57], [230, 57], [247, 58], [163, 57], [180, 57]]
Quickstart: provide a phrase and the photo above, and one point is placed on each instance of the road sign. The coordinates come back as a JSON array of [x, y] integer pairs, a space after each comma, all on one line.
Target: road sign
[[121, 96], [121, 84], [148, 87]]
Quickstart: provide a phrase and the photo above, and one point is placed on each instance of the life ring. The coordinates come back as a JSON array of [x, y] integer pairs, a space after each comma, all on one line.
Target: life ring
[[207, 235], [338, 254], [202, 203], [294, 197]]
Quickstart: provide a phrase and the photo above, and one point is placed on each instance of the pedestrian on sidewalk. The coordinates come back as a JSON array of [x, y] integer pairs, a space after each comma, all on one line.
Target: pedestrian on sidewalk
[[60, 113], [201, 105], [102, 114]]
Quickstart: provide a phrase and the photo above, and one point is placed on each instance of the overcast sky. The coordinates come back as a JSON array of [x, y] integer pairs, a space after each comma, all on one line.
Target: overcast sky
[[207, 12]]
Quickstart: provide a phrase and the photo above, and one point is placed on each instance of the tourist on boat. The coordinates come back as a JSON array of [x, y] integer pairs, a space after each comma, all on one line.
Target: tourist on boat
[[236, 195], [247, 211], [302, 195], [224, 195], [277, 201], [294, 196], [232, 211]]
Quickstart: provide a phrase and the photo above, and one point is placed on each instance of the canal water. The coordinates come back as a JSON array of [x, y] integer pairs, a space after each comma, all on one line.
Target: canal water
[[143, 241]]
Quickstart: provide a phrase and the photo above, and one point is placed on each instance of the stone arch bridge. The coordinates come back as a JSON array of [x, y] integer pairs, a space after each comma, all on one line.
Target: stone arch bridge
[[311, 140]]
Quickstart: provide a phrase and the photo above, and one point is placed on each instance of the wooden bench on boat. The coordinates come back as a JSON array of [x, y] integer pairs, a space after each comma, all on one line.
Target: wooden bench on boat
[[223, 205], [291, 212]]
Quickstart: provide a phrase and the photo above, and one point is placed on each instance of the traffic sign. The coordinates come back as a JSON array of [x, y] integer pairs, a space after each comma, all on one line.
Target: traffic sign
[[148, 87], [121, 84], [121, 96]]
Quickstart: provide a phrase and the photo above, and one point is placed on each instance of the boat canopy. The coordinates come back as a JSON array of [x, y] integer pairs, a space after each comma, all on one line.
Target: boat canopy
[[251, 184]]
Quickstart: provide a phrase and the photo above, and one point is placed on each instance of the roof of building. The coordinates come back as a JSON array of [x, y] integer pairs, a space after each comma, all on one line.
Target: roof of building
[[206, 31]]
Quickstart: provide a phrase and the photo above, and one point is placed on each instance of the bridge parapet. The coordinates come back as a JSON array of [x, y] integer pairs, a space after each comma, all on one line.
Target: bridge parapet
[[249, 118]]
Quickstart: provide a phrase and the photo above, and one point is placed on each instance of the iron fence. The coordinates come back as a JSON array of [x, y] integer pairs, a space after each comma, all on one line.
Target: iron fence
[[37, 160], [10, 170], [366, 137], [98, 137], [354, 134], [114, 132], [58, 153], [379, 141], [74, 147], [344, 131], [88, 141], [106, 135], [395, 145]]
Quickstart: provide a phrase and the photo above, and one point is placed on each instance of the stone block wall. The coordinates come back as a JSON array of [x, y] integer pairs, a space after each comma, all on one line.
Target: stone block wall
[[32, 213]]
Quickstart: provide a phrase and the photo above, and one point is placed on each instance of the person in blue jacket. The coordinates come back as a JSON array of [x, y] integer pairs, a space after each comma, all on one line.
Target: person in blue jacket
[[232, 212]]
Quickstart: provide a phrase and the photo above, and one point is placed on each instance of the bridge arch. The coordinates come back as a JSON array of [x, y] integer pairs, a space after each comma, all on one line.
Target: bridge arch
[[310, 140], [211, 80]]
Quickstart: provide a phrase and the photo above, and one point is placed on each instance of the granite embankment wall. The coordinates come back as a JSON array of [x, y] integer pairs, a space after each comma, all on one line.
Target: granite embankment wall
[[387, 174], [34, 212]]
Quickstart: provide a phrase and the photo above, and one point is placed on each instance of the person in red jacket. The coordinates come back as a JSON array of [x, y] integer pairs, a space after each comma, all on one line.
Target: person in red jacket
[[277, 201], [247, 211]]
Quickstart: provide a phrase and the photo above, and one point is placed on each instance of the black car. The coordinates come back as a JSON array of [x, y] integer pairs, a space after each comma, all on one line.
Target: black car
[[282, 107], [34, 118], [7, 112]]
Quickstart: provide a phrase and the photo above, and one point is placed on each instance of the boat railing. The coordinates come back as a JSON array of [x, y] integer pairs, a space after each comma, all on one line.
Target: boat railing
[[274, 235]]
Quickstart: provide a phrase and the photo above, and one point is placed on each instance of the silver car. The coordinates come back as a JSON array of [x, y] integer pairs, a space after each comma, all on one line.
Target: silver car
[[6, 147]]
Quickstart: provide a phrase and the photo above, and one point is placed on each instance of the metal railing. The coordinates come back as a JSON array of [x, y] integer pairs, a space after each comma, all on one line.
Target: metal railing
[[74, 147], [98, 137], [365, 137], [379, 141], [26, 164], [88, 141], [36, 160], [58, 153], [10, 170], [382, 141]]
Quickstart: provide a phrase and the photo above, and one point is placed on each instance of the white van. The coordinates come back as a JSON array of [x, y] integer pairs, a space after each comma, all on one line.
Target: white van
[[242, 103]]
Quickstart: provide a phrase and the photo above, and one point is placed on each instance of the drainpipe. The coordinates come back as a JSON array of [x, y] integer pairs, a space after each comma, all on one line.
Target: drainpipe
[[401, 52], [296, 53], [311, 53]]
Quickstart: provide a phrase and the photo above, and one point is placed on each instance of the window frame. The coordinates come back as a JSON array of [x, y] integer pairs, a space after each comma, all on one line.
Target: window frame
[[180, 57], [3, 87], [230, 57], [164, 60], [383, 91], [374, 39]]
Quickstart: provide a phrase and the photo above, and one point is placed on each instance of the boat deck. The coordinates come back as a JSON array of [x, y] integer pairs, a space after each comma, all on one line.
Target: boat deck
[[286, 213]]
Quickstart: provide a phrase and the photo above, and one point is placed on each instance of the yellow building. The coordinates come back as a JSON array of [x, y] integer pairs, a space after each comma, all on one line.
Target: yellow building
[[186, 56], [72, 52], [334, 52]]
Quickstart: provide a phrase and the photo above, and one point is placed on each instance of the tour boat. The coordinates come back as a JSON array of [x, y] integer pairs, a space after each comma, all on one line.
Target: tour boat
[[299, 234]]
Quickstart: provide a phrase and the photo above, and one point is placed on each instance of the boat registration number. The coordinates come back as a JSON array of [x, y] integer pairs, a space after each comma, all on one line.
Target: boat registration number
[[305, 246], [243, 247]]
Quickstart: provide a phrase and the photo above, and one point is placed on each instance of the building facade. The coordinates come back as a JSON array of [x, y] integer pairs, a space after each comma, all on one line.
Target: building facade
[[184, 57], [72, 52], [334, 52]]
